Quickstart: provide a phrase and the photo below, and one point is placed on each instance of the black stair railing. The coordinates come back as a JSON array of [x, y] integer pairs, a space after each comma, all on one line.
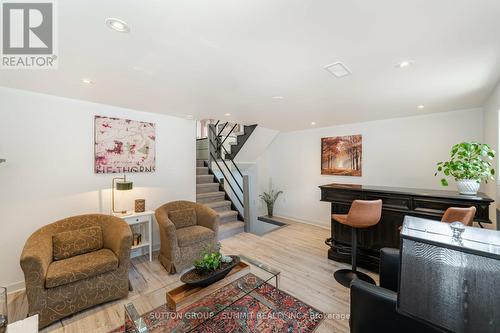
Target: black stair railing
[[216, 142]]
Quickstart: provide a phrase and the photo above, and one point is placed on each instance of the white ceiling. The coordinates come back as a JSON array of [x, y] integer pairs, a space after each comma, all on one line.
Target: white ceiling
[[207, 58]]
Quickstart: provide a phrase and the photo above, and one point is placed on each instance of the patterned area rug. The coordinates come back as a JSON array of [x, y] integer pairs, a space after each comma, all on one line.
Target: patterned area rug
[[266, 310]]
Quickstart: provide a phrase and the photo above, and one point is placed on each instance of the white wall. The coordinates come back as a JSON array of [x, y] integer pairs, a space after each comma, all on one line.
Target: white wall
[[491, 123], [256, 144], [48, 143], [396, 152]]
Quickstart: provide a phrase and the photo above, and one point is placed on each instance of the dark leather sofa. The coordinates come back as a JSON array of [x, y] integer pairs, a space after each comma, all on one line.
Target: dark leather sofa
[[373, 308]]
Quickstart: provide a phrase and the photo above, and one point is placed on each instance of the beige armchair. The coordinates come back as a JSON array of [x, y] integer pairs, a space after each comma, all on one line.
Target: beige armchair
[[74, 264], [186, 229]]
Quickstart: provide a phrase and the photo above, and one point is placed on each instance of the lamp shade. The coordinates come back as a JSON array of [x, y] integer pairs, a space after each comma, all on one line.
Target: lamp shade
[[450, 282], [124, 185]]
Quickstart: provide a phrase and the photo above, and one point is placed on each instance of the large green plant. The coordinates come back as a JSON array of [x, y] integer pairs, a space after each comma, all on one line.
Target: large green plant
[[468, 160]]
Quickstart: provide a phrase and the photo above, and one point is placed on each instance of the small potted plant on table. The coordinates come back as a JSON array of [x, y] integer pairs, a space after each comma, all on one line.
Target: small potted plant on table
[[469, 164], [212, 267]]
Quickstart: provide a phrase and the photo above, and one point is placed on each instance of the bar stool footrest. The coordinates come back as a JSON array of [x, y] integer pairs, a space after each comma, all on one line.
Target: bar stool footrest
[[345, 277]]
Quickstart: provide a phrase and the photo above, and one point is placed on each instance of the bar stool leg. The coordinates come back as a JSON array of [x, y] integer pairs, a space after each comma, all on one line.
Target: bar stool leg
[[354, 249], [345, 276]]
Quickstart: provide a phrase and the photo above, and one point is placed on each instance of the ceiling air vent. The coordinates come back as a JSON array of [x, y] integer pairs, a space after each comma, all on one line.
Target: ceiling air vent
[[338, 69]]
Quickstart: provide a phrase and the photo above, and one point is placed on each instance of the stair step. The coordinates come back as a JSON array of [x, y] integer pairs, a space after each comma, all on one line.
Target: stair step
[[210, 197], [200, 163], [230, 229], [220, 206], [204, 179], [228, 216], [201, 170], [207, 188]]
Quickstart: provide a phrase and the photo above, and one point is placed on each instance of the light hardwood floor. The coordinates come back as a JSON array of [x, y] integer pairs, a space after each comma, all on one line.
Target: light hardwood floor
[[297, 250]]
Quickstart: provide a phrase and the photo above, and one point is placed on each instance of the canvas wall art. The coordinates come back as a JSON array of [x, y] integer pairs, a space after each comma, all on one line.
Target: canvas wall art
[[123, 145], [341, 155]]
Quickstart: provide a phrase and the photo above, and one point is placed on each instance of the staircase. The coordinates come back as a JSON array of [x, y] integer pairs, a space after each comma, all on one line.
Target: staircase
[[241, 138], [209, 193]]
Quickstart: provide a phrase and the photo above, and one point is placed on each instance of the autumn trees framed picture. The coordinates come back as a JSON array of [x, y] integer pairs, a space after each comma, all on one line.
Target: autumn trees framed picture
[[341, 155]]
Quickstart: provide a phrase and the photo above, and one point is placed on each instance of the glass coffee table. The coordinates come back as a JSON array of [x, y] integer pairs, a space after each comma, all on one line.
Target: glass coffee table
[[154, 313]]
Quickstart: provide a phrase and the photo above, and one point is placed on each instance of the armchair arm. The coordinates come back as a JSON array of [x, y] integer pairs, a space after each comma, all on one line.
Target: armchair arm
[[373, 310], [117, 237], [389, 268], [35, 260], [207, 217], [168, 237]]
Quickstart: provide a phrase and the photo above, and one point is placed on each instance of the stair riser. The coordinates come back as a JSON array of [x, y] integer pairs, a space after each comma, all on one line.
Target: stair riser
[[204, 179], [230, 233], [222, 208], [202, 171], [210, 199], [227, 219], [207, 189], [200, 163]]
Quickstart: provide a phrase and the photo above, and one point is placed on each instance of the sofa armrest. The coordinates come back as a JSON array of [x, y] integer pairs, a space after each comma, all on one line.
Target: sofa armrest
[[389, 268], [117, 236], [35, 259], [207, 217], [373, 310]]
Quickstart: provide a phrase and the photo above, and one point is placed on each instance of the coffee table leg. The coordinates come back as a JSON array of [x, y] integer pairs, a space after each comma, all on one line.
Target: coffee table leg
[[277, 281], [133, 321]]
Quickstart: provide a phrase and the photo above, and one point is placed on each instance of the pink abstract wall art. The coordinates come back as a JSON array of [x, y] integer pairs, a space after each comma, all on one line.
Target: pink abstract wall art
[[123, 145]]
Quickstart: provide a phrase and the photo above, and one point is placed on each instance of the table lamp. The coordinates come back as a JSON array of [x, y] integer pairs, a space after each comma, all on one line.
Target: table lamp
[[120, 184]]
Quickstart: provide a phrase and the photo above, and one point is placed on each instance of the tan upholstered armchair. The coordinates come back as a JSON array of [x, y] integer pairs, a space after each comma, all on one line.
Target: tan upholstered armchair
[[76, 263], [186, 229]]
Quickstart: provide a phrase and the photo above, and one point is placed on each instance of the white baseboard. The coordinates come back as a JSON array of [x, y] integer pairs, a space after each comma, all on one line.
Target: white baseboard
[[314, 223], [16, 286]]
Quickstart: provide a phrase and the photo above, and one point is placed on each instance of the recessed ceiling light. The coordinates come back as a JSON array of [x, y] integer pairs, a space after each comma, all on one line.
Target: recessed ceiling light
[[227, 114], [338, 69], [405, 63], [87, 81], [117, 24], [313, 123], [420, 107], [278, 97]]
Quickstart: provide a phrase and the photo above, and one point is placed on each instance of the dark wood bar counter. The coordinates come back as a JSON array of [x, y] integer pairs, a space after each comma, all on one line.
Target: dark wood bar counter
[[396, 203]]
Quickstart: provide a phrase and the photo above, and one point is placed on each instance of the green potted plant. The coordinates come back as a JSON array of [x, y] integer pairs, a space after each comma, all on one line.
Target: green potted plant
[[211, 267], [270, 198], [469, 164]]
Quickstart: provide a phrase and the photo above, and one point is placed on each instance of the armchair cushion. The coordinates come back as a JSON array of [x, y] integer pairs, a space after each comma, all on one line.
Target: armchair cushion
[[194, 235], [80, 267], [76, 242], [183, 218]]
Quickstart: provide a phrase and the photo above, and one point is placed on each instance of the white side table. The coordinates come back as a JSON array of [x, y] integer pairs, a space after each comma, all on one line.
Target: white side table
[[144, 221], [28, 325]]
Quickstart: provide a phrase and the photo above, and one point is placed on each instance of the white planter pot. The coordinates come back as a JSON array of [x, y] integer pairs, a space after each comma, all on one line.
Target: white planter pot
[[468, 186]]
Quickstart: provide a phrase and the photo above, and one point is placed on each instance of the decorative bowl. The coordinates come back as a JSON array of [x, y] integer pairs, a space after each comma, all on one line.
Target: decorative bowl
[[192, 278]]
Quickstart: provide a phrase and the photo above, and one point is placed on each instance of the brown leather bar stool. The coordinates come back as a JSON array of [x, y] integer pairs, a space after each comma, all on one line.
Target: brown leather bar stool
[[457, 214], [362, 214]]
